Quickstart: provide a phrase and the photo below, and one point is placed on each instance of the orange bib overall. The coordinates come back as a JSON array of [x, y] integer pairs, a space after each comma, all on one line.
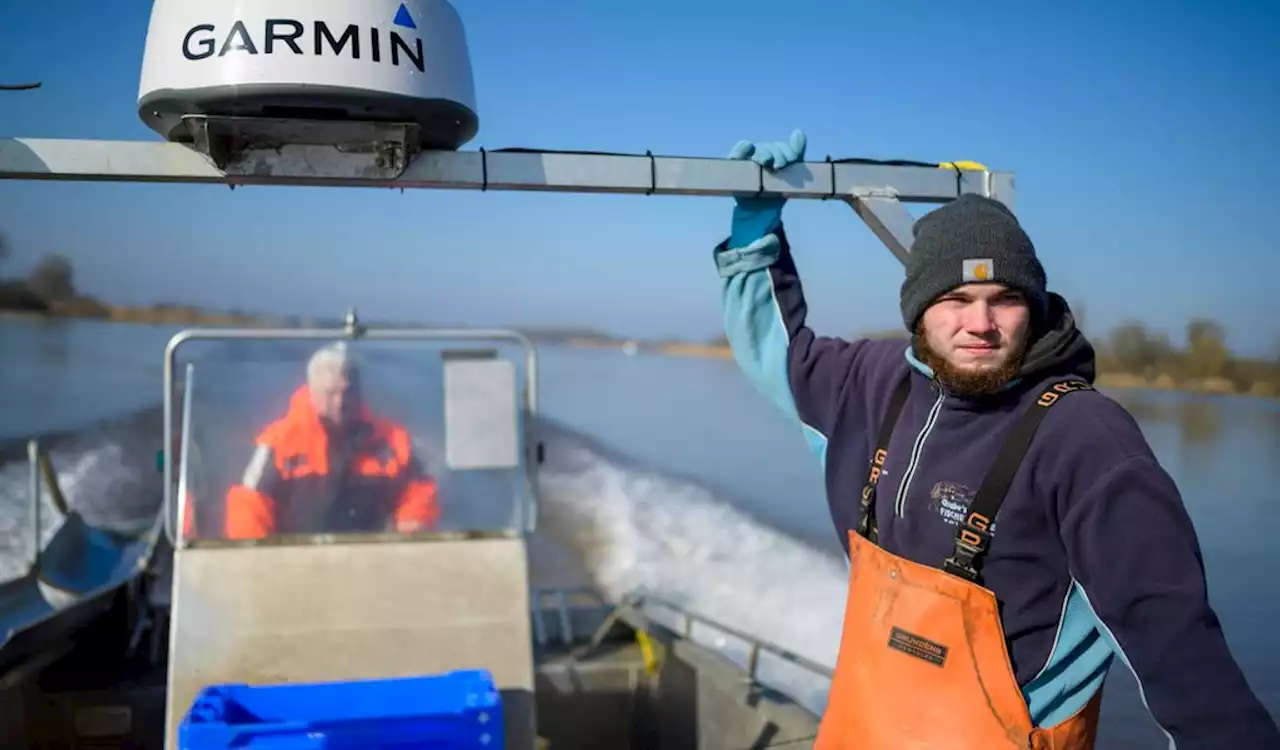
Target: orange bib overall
[[923, 661]]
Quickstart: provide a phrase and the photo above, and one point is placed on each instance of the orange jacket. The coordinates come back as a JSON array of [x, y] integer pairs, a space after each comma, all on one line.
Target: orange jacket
[[298, 483]]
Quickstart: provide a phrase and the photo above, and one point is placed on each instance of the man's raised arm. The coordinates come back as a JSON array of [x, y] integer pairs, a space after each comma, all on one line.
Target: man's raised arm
[[803, 374]]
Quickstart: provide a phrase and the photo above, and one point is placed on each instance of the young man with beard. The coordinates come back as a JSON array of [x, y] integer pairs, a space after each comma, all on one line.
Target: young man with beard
[[1009, 530]]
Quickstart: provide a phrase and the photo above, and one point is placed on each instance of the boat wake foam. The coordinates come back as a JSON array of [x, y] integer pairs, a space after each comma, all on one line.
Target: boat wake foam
[[107, 473], [641, 531]]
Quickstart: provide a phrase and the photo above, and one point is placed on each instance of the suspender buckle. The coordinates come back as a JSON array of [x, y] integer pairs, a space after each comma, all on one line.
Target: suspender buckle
[[867, 513], [867, 527], [971, 541], [961, 564]]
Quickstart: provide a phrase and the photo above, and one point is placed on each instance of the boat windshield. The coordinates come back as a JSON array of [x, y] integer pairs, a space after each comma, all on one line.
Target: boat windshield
[[367, 437]]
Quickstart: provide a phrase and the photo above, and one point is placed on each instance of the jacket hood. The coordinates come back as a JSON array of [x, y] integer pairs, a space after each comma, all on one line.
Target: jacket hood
[[1061, 349]]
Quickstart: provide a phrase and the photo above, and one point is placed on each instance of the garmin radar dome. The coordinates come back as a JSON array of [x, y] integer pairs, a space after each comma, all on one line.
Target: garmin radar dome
[[366, 60]]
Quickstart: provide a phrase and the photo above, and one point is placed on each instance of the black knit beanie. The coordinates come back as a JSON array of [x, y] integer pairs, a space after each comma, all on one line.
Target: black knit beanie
[[971, 239]]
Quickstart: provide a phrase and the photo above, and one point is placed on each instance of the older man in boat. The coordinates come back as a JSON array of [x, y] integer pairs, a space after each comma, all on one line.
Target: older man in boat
[[1008, 528], [331, 466]]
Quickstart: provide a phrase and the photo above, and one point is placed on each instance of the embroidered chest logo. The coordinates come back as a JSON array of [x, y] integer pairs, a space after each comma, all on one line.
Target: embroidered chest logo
[[951, 501]]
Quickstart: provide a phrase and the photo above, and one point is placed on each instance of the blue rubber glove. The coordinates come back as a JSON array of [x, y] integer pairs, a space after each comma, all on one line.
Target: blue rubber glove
[[754, 218], [772, 154]]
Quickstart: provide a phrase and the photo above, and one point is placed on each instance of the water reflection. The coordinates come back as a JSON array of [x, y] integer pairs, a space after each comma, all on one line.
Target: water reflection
[[53, 345], [1199, 421]]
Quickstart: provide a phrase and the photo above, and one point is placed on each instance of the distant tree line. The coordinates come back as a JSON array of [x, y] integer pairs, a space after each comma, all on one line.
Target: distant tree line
[[49, 288], [1205, 360]]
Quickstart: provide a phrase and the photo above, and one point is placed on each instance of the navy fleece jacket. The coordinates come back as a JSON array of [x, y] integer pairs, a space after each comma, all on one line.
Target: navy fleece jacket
[[1092, 555]]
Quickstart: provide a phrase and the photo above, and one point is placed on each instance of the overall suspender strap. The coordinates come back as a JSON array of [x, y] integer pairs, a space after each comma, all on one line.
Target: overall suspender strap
[[973, 535], [867, 520]]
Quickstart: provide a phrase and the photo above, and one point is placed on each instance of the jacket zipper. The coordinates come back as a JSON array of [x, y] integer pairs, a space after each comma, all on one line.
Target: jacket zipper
[[900, 504]]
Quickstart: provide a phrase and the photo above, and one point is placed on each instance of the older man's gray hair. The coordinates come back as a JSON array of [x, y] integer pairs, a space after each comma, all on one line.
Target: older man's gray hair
[[333, 359]]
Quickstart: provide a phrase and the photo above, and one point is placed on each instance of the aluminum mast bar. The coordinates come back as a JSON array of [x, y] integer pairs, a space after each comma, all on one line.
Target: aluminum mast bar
[[252, 151]]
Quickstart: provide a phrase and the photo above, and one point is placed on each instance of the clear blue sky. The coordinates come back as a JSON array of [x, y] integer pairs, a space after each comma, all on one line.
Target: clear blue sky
[[1144, 136]]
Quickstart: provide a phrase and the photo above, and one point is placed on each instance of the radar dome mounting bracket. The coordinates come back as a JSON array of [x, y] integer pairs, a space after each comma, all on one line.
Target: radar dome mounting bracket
[[299, 148]]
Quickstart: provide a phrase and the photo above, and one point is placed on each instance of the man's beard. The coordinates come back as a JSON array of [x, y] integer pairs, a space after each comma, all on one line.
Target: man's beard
[[969, 383]]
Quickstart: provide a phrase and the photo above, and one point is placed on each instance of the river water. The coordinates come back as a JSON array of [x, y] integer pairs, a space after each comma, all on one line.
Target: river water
[[693, 486]]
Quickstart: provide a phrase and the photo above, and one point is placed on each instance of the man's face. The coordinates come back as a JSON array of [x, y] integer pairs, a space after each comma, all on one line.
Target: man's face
[[336, 397], [974, 337]]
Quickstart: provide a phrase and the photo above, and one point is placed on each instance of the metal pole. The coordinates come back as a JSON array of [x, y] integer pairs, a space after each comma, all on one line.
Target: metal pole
[[521, 170], [56, 498], [875, 189], [184, 449], [33, 461]]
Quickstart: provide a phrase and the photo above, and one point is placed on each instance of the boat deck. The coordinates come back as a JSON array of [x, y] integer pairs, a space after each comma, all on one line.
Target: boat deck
[[610, 693]]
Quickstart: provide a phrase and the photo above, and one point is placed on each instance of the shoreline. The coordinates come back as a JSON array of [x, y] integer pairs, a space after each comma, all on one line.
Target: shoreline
[[143, 316], [188, 316]]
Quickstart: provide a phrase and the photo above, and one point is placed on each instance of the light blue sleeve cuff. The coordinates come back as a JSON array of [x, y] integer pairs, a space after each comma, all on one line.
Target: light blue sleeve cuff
[[761, 253]]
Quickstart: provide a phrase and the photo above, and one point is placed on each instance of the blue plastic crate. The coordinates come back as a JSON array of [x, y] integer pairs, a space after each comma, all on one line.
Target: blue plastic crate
[[455, 710]]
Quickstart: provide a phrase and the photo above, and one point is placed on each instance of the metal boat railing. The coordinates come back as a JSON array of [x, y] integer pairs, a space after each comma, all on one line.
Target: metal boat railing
[[755, 646], [632, 611], [41, 475], [593, 608], [33, 464]]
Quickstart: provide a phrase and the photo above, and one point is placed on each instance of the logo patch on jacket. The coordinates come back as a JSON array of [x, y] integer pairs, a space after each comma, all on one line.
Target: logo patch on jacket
[[951, 501], [914, 645]]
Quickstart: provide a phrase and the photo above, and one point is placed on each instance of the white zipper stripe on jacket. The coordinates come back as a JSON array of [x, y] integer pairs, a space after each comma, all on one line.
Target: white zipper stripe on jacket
[[900, 505]]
